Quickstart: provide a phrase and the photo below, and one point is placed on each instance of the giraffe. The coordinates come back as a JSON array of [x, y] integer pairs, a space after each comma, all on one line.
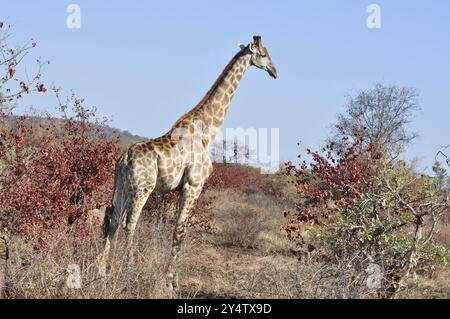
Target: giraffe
[[178, 160]]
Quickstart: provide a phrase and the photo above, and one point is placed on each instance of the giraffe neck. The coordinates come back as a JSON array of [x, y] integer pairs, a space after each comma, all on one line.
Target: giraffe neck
[[211, 110], [218, 99]]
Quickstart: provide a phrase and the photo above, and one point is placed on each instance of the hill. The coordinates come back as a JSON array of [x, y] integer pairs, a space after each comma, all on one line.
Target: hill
[[39, 123]]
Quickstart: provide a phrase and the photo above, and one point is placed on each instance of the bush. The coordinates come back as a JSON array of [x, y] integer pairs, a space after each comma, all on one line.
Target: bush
[[240, 219], [53, 173], [56, 180], [374, 209]]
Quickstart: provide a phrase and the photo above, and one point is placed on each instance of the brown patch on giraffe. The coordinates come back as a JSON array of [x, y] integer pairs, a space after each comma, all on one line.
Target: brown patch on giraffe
[[226, 99], [207, 120], [149, 145], [157, 142], [165, 140], [172, 143]]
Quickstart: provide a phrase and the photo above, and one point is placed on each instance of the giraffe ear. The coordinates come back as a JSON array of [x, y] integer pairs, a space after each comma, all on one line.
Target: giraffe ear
[[252, 47]]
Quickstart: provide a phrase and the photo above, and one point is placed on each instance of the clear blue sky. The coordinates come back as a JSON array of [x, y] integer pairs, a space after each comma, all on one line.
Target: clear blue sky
[[144, 63]]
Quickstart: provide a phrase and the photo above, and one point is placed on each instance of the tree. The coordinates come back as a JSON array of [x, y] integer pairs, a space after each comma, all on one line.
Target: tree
[[231, 151], [14, 87], [380, 116]]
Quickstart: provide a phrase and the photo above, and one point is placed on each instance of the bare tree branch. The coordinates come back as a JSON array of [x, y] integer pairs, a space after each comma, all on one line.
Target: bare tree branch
[[381, 115]]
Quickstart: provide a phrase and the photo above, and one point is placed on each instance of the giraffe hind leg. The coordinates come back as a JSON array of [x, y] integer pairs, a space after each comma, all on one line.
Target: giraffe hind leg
[[114, 212], [111, 221], [110, 225], [109, 229]]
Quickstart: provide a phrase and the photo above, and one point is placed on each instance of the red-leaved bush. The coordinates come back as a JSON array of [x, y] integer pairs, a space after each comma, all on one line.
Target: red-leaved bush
[[241, 178], [336, 178], [55, 179]]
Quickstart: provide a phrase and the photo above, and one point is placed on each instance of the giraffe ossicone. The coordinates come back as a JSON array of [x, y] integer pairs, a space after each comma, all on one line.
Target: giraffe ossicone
[[177, 160]]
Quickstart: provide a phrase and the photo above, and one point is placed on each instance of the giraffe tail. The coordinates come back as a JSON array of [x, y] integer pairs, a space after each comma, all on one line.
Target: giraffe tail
[[115, 211]]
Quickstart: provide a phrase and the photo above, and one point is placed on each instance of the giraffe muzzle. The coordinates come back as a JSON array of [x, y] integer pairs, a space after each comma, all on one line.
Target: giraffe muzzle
[[272, 72]]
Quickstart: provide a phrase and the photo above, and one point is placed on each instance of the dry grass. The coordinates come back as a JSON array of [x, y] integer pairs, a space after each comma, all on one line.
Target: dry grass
[[248, 257], [309, 280], [251, 220], [443, 231], [432, 286], [43, 273], [233, 272]]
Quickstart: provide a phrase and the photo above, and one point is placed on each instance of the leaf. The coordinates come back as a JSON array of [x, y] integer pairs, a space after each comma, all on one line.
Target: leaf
[[11, 72], [41, 88]]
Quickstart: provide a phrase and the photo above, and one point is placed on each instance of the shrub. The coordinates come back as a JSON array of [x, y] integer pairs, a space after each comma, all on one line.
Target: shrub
[[57, 181], [239, 220], [51, 174], [371, 208]]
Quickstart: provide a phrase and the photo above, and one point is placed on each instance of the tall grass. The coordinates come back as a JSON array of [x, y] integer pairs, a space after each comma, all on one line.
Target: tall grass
[[43, 273]]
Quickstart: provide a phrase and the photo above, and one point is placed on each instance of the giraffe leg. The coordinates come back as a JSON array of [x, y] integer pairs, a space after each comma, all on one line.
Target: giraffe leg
[[104, 257], [189, 195], [110, 226], [139, 199]]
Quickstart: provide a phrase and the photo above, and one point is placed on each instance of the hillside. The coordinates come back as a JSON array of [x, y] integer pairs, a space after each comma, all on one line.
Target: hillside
[[40, 123]]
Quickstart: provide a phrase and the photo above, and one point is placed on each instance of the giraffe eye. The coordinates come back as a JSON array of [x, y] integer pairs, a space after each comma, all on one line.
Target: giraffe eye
[[262, 55]]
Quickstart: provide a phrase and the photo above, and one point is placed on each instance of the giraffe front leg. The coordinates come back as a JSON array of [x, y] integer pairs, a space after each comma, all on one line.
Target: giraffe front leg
[[189, 195]]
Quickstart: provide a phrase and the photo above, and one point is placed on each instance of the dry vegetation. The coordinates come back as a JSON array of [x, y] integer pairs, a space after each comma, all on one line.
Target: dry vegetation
[[248, 256], [43, 273]]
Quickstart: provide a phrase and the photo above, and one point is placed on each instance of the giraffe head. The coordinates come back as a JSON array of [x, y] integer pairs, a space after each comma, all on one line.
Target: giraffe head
[[260, 56]]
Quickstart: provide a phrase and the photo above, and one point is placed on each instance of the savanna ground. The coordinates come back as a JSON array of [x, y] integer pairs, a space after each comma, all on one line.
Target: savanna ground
[[245, 255]]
